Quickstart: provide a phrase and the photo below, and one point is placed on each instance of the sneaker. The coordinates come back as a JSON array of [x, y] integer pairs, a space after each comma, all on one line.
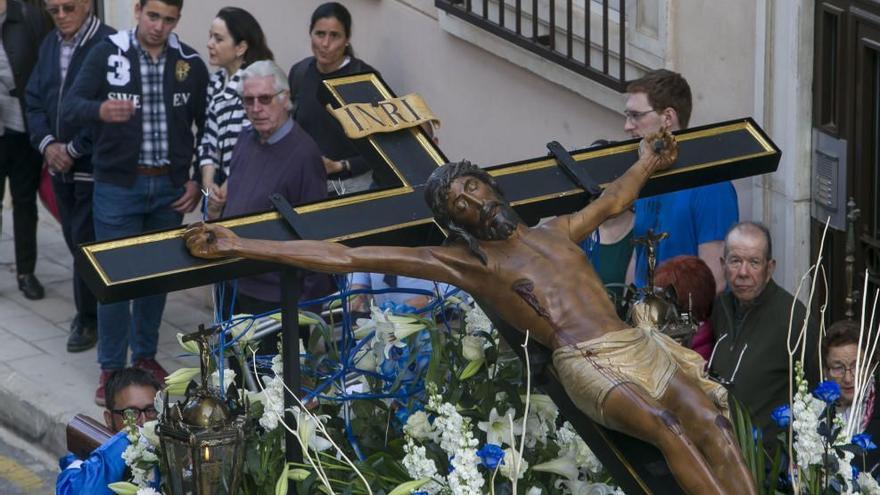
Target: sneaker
[[153, 367], [102, 384], [82, 336]]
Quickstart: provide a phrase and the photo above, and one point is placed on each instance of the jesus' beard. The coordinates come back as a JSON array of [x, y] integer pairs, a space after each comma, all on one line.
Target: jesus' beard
[[497, 226]]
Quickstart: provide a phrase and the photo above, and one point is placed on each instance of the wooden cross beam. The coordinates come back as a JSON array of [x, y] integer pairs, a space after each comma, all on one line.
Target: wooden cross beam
[[398, 215]]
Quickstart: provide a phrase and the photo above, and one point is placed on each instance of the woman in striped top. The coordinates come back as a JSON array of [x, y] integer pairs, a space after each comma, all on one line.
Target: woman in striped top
[[235, 41]]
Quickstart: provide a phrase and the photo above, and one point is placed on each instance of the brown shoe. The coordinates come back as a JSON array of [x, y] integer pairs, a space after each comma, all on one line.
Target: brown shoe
[[102, 385], [153, 367]]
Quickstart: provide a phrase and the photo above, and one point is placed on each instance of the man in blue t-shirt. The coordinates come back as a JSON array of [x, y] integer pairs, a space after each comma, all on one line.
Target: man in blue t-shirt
[[695, 219]]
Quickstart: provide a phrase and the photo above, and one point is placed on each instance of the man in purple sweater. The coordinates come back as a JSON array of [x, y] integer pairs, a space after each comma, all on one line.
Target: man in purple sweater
[[275, 155]]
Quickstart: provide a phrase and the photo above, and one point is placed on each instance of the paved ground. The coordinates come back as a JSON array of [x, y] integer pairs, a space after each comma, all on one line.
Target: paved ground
[[24, 468], [42, 386]]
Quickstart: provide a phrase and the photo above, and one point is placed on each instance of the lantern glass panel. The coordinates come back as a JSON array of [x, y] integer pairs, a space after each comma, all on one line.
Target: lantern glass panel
[[216, 469], [179, 465]]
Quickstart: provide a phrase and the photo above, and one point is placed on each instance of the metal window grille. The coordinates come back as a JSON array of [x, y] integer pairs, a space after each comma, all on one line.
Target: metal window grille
[[562, 31]]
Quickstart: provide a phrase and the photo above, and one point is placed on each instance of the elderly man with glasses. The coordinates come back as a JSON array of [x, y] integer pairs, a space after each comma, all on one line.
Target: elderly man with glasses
[[751, 326], [130, 392], [274, 155], [695, 219]]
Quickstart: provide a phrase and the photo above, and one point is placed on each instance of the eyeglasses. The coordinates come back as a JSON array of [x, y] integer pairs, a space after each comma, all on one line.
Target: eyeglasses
[[149, 412], [633, 116], [263, 99], [67, 8], [735, 263], [840, 371]]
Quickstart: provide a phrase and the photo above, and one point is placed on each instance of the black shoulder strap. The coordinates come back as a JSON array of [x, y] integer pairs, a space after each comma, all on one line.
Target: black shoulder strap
[[299, 74]]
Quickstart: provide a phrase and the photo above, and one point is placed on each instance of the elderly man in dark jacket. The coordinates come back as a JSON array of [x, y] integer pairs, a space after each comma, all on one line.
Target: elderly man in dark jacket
[[751, 326], [66, 148], [21, 30]]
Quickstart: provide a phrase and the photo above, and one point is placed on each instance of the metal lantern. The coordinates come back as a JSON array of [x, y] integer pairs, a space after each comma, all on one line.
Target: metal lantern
[[202, 439]]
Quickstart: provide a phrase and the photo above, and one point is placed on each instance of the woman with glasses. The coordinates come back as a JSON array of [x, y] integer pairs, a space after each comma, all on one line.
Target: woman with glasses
[[839, 351], [235, 40], [332, 56]]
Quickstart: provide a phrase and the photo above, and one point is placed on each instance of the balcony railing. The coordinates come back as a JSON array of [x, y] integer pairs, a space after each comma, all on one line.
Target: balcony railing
[[585, 36]]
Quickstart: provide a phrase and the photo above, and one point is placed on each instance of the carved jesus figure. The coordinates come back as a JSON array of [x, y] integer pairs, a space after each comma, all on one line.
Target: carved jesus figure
[[633, 380]]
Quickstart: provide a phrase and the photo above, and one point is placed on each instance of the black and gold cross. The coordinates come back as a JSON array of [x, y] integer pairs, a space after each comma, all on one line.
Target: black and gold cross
[[159, 262]]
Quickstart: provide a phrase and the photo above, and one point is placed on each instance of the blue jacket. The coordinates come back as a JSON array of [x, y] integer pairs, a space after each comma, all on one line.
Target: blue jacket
[[112, 70], [45, 89], [103, 466]]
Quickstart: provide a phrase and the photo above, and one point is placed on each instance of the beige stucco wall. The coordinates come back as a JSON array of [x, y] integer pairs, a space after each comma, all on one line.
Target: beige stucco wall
[[739, 60], [492, 112]]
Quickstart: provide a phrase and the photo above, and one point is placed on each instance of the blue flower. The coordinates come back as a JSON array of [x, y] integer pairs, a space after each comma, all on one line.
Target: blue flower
[[491, 455], [863, 440], [827, 391], [781, 416]]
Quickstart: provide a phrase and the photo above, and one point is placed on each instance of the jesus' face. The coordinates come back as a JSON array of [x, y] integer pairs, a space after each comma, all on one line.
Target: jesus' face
[[476, 207]]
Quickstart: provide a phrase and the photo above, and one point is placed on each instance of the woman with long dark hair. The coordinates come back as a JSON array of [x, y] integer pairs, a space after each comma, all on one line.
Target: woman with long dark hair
[[235, 40], [332, 55]]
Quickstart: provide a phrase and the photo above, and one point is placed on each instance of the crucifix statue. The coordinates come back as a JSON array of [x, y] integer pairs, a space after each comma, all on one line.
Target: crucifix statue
[[650, 241], [540, 187], [536, 278]]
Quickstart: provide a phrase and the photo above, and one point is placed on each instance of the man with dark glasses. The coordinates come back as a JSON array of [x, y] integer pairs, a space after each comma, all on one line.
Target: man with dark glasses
[[66, 148]]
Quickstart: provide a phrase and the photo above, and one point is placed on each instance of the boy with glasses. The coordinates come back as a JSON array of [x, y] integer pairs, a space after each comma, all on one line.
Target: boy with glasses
[[130, 390]]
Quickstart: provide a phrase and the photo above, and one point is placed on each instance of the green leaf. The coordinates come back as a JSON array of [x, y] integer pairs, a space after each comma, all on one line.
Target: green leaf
[[471, 369], [408, 487], [123, 488], [433, 375], [281, 484]]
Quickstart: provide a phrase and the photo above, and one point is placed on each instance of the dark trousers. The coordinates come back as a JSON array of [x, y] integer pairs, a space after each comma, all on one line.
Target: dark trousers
[[22, 165], [75, 207]]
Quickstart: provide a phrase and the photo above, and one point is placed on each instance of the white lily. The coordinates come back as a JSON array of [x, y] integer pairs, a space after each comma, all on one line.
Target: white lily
[[543, 406], [176, 383], [418, 426], [191, 347], [244, 327], [498, 427], [148, 431], [564, 466], [228, 378], [511, 458], [306, 430], [472, 347]]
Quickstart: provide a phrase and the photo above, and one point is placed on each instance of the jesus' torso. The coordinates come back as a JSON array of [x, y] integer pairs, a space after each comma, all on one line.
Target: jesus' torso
[[539, 280]]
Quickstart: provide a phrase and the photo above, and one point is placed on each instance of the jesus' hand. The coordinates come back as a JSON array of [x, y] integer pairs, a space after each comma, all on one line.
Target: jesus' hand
[[210, 241], [660, 146]]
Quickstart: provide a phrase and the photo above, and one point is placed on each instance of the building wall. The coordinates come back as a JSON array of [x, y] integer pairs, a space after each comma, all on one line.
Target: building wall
[[494, 111]]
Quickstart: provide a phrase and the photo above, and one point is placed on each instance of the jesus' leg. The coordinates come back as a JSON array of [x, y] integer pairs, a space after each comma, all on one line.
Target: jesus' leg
[[629, 410], [711, 431]]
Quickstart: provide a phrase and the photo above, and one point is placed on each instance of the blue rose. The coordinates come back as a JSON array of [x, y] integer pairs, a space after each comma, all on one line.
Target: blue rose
[[863, 440], [827, 391], [491, 455], [781, 416]]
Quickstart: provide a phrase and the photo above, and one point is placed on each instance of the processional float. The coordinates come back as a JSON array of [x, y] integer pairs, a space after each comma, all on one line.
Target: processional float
[[549, 185]]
